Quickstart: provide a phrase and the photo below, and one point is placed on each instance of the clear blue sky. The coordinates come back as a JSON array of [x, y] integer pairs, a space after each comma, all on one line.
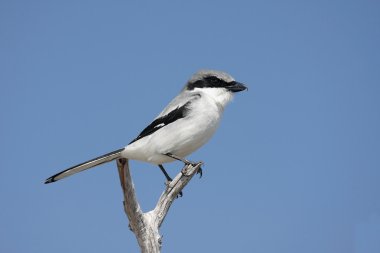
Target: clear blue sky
[[294, 166]]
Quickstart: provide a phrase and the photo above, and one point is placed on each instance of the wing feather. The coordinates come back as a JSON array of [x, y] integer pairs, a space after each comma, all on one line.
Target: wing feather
[[163, 120]]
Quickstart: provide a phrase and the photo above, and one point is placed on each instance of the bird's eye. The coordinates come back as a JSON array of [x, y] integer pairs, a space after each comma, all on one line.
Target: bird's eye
[[208, 82], [214, 80]]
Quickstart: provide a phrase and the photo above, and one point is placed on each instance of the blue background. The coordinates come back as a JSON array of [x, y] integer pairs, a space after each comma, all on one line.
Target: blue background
[[294, 166]]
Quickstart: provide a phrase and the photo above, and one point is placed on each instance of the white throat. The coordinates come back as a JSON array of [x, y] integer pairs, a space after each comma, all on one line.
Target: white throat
[[219, 95]]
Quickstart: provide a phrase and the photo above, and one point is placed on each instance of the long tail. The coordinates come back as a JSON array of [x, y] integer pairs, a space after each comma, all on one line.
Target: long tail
[[86, 165]]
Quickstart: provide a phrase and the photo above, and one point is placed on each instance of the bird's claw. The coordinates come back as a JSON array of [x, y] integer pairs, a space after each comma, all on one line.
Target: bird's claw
[[200, 172]]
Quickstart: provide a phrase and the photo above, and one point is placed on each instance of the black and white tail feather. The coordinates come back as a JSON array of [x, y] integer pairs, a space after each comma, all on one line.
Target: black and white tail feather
[[86, 165], [184, 125]]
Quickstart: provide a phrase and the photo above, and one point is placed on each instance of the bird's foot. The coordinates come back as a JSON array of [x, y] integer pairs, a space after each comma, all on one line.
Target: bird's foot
[[168, 179], [184, 160], [200, 172]]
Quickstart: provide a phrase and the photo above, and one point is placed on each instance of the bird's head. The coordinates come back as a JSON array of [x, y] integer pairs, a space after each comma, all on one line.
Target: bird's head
[[217, 84]]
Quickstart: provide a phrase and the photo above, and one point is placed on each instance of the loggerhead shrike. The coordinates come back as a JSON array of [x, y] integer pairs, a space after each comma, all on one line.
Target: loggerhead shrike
[[185, 124]]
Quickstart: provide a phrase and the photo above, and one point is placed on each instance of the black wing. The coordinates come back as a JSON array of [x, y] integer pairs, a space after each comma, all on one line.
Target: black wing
[[160, 122]]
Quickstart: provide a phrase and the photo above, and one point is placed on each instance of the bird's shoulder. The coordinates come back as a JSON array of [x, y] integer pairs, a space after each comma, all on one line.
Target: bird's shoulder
[[183, 98]]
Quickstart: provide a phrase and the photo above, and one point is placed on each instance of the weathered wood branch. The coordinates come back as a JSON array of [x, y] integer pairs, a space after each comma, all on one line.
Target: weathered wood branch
[[146, 226]]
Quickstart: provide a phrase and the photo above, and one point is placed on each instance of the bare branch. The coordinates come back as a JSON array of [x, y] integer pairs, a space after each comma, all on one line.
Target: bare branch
[[172, 191], [131, 205], [147, 236], [146, 226]]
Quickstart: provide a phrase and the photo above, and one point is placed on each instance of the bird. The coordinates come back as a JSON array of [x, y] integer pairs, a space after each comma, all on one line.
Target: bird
[[182, 127]]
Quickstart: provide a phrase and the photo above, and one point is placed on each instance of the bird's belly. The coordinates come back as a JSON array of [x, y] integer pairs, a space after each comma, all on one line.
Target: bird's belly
[[191, 140], [192, 135]]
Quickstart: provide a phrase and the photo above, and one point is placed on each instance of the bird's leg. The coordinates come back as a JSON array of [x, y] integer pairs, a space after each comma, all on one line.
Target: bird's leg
[[185, 161], [180, 194], [165, 173]]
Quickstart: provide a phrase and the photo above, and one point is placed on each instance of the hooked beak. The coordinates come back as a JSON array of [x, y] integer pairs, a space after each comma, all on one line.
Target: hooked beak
[[236, 86]]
